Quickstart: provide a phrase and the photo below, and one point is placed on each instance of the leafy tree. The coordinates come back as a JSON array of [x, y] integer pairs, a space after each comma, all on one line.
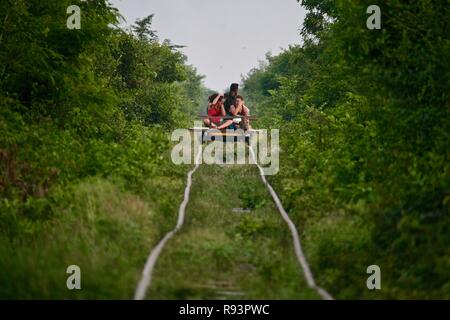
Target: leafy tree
[[364, 118], [142, 28]]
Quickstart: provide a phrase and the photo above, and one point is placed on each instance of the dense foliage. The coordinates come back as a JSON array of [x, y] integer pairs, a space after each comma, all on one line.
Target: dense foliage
[[84, 153], [364, 119], [85, 174]]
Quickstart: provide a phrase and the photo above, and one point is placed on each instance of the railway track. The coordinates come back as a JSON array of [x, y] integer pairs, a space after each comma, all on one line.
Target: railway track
[[146, 277]]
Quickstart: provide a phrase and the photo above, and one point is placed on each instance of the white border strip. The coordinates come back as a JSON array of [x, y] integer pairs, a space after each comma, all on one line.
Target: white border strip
[[146, 277], [295, 237]]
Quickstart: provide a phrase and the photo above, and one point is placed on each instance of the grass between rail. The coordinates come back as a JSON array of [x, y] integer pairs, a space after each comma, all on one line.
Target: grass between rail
[[223, 253]]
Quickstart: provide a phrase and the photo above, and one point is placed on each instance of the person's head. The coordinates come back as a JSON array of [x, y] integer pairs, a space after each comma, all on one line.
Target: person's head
[[211, 98], [234, 89], [221, 101], [239, 100]]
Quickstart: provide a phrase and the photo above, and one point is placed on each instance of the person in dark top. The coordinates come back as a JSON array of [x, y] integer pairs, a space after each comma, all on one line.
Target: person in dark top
[[230, 98], [241, 112], [240, 109]]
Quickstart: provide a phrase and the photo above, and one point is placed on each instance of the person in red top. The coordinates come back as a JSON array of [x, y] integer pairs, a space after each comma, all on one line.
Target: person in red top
[[216, 110]]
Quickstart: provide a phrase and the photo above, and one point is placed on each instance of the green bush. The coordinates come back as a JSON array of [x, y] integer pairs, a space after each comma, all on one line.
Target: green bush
[[364, 141], [85, 172]]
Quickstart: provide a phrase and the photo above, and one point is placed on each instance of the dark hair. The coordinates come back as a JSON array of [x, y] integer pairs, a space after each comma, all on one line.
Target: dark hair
[[240, 97], [234, 87], [212, 97]]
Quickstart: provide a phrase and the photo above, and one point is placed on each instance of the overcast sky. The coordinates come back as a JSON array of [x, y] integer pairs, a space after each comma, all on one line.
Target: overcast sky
[[225, 38]]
